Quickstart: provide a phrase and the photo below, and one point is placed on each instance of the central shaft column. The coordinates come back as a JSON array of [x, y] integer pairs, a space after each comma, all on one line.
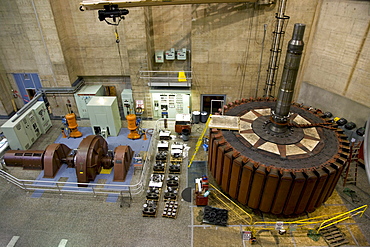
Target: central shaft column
[[280, 114]]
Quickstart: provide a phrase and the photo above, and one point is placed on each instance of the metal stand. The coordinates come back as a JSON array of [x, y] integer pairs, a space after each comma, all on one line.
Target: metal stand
[[121, 198]]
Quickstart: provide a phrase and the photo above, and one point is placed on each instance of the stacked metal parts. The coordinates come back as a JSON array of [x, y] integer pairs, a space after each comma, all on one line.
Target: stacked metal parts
[[285, 159], [164, 179]]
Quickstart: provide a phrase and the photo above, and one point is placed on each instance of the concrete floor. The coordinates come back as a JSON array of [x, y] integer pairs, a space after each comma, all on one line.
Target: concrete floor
[[84, 220]]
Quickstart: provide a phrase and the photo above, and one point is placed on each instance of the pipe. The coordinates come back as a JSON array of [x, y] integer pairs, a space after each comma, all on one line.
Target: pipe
[[64, 90], [367, 149], [27, 106], [280, 114], [67, 90], [259, 66], [275, 49]]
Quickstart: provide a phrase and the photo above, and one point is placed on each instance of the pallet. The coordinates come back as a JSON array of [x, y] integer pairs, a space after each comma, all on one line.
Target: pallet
[[174, 186], [169, 199], [160, 172], [152, 205], [172, 172], [175, 171], [172, 207], [150, 215], [159, 195], [172, 159]]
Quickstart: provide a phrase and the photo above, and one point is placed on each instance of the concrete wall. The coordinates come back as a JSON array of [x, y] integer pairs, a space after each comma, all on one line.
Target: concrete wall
[[227, 42], [59, 42], [6, 95], [172, 29], [339, 106], [29, 43], [338, 61]]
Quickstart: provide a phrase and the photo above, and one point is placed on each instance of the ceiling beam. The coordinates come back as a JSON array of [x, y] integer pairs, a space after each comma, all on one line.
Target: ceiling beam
[[95, 5]]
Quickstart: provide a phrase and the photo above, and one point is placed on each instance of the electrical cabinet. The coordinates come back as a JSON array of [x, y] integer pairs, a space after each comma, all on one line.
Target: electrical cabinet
[[181, 54], [104, 115], [22, 130], [84, 95], [42, 116], [159, 57], [167, 104], [170, 55], [127, 102]]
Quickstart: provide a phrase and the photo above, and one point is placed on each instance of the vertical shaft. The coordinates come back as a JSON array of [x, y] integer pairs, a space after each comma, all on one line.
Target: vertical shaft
[[280, 114]]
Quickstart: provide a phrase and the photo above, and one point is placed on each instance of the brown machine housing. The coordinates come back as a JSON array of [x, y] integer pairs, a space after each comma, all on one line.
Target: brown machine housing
[[90, 157], [269, 187]]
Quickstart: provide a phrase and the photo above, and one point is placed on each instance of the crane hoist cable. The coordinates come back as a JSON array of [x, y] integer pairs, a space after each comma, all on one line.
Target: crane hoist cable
[[118, 48], [116, 34]]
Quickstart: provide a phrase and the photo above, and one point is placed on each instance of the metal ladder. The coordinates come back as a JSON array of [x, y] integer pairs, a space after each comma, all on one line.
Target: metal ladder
[[200, 140], [350, 172]]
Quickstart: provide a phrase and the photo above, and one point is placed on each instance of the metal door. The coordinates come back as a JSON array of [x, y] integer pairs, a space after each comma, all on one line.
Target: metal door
[[28, 85]]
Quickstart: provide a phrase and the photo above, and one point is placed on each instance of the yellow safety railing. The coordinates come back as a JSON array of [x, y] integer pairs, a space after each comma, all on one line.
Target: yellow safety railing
[[200, 140], [323, 220], [343, 216]]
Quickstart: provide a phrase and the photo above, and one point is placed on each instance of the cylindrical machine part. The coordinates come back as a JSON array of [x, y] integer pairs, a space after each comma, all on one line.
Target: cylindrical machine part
[[29, 159], [281, 167], [71, 120], [280, 114], [131, 121], [90, 157]]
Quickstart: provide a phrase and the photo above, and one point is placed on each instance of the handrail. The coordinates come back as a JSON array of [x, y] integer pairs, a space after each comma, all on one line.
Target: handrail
[[323, 221], [341, 217]]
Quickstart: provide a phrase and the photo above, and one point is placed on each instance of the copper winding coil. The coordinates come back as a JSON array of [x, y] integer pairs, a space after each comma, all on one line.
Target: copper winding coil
[[269, 183]]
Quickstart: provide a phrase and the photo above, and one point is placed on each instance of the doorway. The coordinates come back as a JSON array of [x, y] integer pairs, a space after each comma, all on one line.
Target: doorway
[[28, 84], [212, 102], [31, 92], [110, 90]]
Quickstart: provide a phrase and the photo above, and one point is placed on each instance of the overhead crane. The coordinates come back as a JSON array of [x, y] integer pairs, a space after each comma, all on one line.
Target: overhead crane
[[96, 5]]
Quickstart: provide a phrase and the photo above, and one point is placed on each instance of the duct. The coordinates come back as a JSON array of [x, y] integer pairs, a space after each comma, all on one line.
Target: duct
[[64, 90], [367, 148], [27, 106], [50, 90], [265, 2]]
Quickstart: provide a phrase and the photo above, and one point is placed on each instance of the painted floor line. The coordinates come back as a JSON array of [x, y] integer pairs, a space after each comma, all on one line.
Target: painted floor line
[[63, 243], [13, 241]]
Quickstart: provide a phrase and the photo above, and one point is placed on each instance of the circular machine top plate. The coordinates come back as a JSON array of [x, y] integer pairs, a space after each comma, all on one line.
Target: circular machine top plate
[[261, 126], [302, 148]]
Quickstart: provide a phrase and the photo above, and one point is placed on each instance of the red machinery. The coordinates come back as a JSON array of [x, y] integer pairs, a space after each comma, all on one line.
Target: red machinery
[[90, 157]]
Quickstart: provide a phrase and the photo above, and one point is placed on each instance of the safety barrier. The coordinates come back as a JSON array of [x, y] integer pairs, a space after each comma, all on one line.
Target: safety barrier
[[91, 188]]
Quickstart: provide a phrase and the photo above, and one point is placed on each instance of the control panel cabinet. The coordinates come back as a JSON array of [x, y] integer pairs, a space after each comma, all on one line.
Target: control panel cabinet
[[104, 115], [168, 104], [83, 97], [127, 102], [21, 131], [42, 116]]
